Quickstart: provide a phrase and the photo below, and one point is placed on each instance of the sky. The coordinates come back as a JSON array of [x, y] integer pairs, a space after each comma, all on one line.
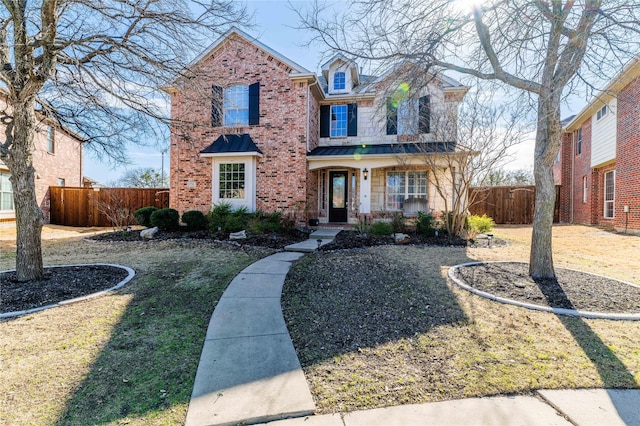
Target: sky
[[274, 25]]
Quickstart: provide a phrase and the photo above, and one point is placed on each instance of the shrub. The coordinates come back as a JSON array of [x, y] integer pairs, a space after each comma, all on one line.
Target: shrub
[[481, 224], [234, 223], [398, 222], [195, 220], [426, 224], [143, 215], [381, 228], [218, 216], [165, 219]]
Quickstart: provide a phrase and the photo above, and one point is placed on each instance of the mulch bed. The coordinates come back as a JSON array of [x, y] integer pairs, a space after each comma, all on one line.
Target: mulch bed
[[354, 239], [276, 241], [58, 284], [571, 290]]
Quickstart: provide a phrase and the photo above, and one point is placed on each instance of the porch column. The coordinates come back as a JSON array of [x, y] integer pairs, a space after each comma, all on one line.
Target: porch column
[[365, 191]]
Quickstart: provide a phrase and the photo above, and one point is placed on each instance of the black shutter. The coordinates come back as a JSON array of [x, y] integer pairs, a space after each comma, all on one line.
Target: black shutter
[[392, 118], [325, 120], [352, 120], [424, 112], [216, 106], [254, 103]]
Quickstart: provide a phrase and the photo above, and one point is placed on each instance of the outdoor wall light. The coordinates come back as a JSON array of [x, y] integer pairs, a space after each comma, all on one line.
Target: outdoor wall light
[[365, 173]]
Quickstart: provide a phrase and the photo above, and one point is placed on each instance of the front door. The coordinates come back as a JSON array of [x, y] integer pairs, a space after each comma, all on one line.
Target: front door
[[338, 196]]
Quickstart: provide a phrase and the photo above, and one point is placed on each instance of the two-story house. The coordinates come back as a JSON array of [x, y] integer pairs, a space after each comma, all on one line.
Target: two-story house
[[57, 160], [598, 167], [255, 129]]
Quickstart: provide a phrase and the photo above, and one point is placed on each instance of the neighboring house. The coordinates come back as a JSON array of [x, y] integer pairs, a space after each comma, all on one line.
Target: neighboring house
[[598, 166], [57, 161], [255, 129]]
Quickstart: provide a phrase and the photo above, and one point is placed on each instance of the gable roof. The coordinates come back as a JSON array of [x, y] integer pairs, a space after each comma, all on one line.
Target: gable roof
[[296, 68], [630, 72]]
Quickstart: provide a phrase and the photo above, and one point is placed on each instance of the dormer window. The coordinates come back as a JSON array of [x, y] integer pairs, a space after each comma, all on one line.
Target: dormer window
[[339, 80]]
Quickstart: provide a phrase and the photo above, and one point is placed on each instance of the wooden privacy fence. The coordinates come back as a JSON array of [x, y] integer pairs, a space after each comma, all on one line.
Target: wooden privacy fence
[[86, 206], [508, 204]]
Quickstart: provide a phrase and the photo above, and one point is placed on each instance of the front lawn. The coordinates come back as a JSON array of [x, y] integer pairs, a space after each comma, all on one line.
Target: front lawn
[[383, 326], [129, 357]]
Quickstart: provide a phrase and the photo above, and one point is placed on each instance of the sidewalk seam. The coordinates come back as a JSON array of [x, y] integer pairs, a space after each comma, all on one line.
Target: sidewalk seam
[[558, 409]]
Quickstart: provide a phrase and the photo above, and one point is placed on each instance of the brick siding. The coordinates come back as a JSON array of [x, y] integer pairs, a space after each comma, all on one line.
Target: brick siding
[[281, 174], [628, 157]]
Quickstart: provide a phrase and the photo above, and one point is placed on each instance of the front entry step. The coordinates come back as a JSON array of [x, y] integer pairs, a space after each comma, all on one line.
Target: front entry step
[[326, 235]]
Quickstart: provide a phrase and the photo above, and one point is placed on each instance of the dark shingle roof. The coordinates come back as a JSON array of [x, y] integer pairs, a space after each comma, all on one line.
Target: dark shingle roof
[[230, 144], [382, 149]]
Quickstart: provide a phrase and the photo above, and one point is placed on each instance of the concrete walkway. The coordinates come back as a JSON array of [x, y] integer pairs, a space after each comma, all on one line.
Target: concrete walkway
[[324, 235], [249, 370], [585, 407]]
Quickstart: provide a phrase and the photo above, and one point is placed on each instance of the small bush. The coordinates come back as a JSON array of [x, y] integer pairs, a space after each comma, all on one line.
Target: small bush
[[143, 215], [481, 224], [218, 216], [195, 220], [381, 228], [398, 222], [426, 224], [165, 219], [234, 223]]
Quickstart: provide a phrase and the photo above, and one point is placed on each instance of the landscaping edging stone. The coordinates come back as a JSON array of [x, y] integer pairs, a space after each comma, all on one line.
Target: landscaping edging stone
[[557, 311], [129, 277]]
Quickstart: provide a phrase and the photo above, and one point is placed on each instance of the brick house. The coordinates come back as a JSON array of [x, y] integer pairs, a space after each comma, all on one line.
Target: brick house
[[57, 160], [254, 129], [598, 166]]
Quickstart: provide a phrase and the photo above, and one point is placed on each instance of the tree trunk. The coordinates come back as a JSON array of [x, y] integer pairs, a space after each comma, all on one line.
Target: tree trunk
[[548, 136], [28, 213]]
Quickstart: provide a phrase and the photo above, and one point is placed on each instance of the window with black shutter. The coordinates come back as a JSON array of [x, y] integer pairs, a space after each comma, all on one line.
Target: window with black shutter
[[424, 114], [254, 104], [325, 120], [216, 106], [392, 117], [352, 117]]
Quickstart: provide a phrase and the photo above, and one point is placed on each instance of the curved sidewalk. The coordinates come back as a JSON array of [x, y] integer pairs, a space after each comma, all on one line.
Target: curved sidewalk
[[249, 370]]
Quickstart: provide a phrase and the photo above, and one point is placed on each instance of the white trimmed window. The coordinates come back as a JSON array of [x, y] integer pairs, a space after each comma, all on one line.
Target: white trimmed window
[[6, 192], [408, 117], [404, 185], [236, 105], [609, 193], [584, 189], [338, 121], [602, 112], [232, 181], [339, 80]]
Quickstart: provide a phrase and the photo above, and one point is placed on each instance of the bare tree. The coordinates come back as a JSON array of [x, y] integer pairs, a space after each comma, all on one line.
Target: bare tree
[[143, 178], [544, 48], [94, 67], [504, 177], [476, 140]]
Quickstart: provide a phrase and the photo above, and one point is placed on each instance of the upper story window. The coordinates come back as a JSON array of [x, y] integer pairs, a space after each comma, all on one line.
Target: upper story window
[[339, 81], [408, 116], [6, 192], [338, 121], [602, 112], [579, 141], [51, 138], [61, 181], [236, 105]]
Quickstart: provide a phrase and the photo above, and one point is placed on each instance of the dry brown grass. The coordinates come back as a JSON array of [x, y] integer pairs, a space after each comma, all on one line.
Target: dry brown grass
[[485, 349], [129, 357]]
